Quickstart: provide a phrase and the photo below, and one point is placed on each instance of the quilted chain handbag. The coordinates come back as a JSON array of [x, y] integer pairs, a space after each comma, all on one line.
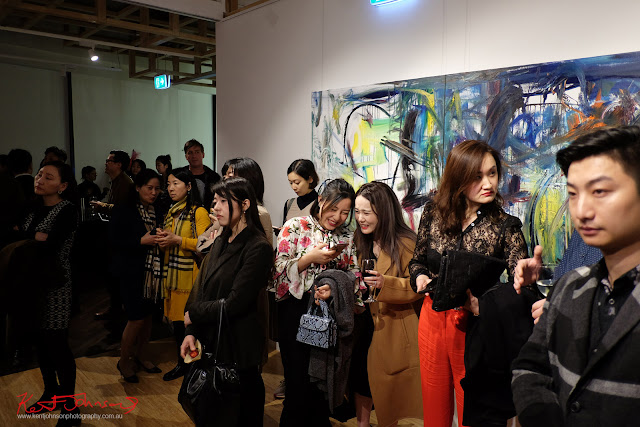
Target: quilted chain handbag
[[317, 330]]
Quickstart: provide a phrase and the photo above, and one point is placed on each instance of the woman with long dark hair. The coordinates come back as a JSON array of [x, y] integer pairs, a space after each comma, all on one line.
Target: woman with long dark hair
[[137, 166], [183, 223], [52, 223], [306, 247], [250, 170], [391, 359], [137, 265], [233, 275], [465, 215]]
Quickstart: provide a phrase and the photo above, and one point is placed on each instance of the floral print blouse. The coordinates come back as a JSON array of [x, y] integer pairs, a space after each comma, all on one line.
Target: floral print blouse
[[299, 236]]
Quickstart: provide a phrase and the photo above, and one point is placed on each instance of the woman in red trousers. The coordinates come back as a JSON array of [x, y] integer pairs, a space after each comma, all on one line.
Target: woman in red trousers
[[465, 215]]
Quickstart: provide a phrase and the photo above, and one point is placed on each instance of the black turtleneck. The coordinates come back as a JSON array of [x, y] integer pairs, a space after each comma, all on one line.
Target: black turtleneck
[[307, 199]]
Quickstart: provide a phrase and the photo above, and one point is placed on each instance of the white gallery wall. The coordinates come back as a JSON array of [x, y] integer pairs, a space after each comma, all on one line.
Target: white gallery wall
[[113, 114], [110, 110], [271, 58], [32, 112]]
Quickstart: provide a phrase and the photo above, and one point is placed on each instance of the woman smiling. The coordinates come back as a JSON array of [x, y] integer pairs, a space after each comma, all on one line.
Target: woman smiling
[[306, 247]]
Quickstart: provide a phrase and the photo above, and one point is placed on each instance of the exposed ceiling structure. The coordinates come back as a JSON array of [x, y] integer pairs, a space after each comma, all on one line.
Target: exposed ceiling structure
[[178, 32]]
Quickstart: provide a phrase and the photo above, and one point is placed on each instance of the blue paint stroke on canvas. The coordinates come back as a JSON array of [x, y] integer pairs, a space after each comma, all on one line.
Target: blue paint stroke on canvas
[[401, 132]]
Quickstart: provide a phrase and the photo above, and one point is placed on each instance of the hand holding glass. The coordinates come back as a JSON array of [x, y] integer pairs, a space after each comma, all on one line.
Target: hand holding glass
[[545, 279], [369, 265]]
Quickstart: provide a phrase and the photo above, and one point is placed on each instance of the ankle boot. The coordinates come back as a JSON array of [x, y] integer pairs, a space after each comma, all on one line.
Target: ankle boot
[[44, 404]]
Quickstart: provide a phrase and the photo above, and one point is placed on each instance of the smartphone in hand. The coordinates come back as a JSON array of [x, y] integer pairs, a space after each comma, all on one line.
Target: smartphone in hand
[[339, 247]]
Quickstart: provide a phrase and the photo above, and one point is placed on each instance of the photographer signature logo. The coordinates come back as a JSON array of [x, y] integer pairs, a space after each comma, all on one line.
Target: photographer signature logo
[[71, 402]]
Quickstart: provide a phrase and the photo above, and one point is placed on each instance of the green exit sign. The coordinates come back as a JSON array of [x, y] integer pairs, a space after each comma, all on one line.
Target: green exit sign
[[162, 82], [381, 2]]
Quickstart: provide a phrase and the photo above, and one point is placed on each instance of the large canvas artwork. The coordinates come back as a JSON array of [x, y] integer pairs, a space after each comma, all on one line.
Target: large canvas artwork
[[401, 132]]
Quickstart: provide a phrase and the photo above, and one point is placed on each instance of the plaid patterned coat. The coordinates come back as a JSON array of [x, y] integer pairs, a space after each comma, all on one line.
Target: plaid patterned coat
[[558, 381]]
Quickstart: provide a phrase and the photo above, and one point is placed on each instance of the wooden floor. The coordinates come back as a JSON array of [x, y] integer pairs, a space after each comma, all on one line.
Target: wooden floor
[[157, 402]]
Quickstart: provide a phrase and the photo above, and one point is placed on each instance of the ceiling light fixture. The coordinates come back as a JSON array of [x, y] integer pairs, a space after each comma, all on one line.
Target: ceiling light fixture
[[93, 55]]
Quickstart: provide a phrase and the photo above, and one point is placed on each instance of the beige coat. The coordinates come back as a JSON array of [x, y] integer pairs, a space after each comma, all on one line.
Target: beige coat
[[393, 362]]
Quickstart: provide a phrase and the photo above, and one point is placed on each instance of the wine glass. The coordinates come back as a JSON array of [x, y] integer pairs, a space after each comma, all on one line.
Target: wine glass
[[545, 279], [369, 264]]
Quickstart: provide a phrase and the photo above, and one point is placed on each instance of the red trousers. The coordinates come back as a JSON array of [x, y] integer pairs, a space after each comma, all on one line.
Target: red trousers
[[441, 344]]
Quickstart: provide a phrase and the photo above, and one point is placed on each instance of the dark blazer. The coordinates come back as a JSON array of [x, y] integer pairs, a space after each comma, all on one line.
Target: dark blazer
[[492, 342], [125, 230], [237, 274], [559, 381]]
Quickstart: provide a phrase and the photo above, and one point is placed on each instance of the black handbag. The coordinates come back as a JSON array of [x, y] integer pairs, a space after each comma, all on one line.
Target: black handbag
[[462, 270], [210, 391]]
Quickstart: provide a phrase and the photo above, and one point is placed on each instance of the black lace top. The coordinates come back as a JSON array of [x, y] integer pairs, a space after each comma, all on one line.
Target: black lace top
[[481, 236]]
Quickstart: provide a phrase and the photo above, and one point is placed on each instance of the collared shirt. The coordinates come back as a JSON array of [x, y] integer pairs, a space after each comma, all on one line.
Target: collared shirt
[[609, 300], [578, 254]]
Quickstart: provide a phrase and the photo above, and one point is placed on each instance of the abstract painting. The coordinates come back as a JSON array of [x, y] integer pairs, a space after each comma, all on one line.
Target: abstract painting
[[401, 132]]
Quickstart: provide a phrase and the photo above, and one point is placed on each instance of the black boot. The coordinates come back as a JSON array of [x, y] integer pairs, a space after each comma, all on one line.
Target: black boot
[[44, 404]]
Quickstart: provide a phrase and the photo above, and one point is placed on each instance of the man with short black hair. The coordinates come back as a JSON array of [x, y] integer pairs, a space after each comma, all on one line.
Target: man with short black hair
[[580, 365], [121, 184], [205, 177]]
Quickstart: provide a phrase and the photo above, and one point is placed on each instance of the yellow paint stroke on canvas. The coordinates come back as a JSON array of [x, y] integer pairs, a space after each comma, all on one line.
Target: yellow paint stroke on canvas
[[430, 102]]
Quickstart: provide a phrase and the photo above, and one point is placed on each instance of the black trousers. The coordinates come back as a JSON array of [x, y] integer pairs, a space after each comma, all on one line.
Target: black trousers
[[304, 404]]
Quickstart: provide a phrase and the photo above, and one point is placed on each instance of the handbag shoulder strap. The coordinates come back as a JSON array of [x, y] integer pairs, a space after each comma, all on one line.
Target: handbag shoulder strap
[[223, 318]]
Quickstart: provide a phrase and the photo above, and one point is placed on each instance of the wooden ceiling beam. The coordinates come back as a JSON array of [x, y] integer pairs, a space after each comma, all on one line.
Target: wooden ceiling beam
[[33, 21], [111, 22], [243, 8], [123, 13]]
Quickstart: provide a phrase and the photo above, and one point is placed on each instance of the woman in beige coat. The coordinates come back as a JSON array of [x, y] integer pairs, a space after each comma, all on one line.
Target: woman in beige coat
[[393, 363]]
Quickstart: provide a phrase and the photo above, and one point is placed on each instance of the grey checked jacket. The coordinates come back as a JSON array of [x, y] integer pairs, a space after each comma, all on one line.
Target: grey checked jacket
[[558, 381]]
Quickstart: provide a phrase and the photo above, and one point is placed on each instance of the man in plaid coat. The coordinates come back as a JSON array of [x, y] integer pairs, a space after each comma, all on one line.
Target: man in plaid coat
[[581, 365]]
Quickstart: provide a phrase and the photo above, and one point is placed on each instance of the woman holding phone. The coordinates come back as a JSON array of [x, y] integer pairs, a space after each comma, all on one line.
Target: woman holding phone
[[465, 215], [392, 363], [306, 247]]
